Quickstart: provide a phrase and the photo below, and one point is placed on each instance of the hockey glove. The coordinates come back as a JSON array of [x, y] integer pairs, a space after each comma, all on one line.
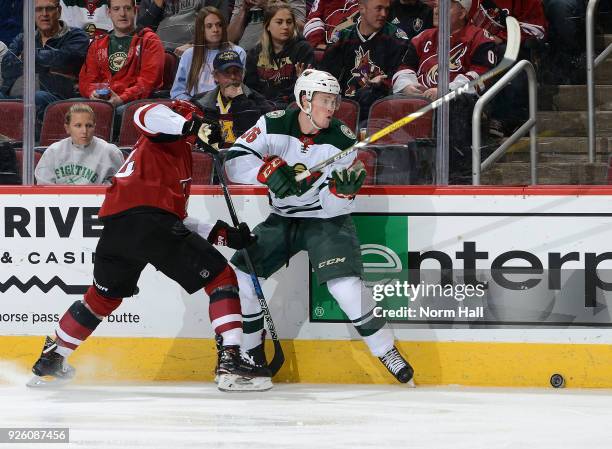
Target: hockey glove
[[191, 126], [278, 176], [210, 132], [346, 183], [223, 234]]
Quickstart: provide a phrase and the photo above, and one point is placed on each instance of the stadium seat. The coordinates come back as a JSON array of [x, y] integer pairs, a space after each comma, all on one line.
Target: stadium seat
[[19, 156], [171, 62], [348, 112], [202, 169], [368, 157], [53, 121], [128, 134], [170, 67], [11, 119], [390, 109]]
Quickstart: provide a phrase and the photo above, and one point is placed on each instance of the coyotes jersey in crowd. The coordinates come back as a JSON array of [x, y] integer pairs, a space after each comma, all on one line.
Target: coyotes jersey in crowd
[[354, 59], [490, 15], [472, 53], [156, 174], [278, 133], [329, 17]]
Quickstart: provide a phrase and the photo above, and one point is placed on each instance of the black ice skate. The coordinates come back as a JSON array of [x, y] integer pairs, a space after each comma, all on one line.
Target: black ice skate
[[397, 366], [257, 355], [237, 374], [51, 369]]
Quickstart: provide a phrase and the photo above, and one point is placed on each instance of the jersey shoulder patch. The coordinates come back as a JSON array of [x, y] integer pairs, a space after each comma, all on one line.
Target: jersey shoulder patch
[[347, 131], [275, 114], [338, 135]]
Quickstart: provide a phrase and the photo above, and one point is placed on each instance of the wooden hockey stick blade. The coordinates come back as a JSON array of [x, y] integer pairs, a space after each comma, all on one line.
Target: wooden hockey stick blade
[[513, 45]]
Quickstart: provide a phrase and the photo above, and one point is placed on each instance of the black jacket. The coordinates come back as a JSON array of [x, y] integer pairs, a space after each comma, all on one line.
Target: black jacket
[[276, 80]]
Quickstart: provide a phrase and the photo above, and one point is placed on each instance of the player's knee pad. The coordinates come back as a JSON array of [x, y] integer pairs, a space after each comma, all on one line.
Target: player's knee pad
[[99, 304], [348, 292], [248, 296]]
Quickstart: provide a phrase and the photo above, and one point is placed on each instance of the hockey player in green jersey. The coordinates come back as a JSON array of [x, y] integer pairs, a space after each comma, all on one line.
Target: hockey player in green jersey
[[313, 215]]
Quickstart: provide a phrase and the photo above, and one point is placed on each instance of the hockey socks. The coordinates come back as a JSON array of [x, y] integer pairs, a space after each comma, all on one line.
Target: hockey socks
[[81, 319], [224, 307]]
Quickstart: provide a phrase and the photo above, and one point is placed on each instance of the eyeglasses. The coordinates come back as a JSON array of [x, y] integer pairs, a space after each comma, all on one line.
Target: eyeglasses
[[45, 9]]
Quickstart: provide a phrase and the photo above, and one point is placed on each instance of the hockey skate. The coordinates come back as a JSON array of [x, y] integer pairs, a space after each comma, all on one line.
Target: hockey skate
[[51, 369], [237, 374], [398, 366]]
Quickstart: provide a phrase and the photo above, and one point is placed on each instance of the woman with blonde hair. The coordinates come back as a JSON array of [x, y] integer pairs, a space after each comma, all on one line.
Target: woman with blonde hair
[[80, 158], [281, 56], [195, 71]]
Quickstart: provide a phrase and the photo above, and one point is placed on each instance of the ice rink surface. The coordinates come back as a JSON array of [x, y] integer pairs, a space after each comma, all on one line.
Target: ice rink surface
[[197, 415]]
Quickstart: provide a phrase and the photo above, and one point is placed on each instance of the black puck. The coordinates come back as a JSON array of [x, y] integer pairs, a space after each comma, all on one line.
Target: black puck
[[557, 381]]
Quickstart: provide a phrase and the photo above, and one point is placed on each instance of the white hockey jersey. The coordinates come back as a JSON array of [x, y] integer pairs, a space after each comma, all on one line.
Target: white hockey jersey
[[278, 133]]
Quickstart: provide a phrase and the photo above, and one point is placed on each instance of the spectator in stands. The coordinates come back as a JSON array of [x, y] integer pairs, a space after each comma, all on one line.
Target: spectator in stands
[[279, 59], [232, 103], [511, 106], [11, 20], [246, 24], [60, 51], [327, 18], [195, 70], [412, 16], [174, 20], [368, 57], [473, 53], [91, 16], [567, 61], [130, 62], [80, 158], [3, 50]]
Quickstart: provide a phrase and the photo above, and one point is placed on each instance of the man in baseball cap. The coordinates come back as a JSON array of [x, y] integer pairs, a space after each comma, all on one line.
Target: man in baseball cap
[[236, 106]]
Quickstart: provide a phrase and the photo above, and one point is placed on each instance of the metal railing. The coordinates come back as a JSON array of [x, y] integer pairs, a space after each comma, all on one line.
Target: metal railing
[[529, 125], [591, 64]]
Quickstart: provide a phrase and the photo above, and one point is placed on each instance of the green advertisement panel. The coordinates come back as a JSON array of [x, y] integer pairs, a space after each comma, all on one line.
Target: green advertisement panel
[[384, 248]]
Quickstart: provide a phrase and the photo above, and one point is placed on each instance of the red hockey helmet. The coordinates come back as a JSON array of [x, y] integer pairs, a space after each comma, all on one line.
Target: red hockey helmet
[[185, 108]]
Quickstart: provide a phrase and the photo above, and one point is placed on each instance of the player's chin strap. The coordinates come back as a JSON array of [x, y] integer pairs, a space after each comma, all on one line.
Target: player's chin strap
[[308, 113]]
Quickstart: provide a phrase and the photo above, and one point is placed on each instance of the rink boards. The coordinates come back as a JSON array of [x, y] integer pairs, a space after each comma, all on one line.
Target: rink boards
[[528, 332]]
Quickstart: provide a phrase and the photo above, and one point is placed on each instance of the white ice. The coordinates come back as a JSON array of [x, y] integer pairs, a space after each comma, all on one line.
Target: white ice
[[197, 415]]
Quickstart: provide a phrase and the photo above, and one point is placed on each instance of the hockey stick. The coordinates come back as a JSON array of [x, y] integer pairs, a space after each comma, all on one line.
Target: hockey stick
[[279, 357], [512, 49]]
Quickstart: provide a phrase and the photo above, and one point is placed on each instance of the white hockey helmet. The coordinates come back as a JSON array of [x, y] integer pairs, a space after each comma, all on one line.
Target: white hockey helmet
[[311, 81]]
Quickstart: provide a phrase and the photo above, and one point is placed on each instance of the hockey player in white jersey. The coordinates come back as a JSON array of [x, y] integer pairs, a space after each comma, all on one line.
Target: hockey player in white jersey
[[313, 215]]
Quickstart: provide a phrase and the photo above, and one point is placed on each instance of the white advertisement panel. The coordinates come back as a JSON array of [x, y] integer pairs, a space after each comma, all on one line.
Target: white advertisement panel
[[48, 240]]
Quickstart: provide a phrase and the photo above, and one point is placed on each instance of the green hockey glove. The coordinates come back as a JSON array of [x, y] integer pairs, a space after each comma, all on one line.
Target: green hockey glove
[[278, 176], [346, 183]]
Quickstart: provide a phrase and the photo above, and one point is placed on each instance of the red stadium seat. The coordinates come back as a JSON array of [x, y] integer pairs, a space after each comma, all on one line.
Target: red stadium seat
[[368, 157], [53, 121], [348, 112], [390, 109], [128, 135], [19, 157], [11, 119], [202, 169], [171, 63]]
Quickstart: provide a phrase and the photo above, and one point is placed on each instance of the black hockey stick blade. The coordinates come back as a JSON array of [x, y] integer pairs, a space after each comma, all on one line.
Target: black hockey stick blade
[[513, 46]]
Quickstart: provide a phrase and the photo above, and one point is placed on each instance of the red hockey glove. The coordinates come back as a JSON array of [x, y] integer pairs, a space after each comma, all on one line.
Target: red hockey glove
[[278, 176]]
